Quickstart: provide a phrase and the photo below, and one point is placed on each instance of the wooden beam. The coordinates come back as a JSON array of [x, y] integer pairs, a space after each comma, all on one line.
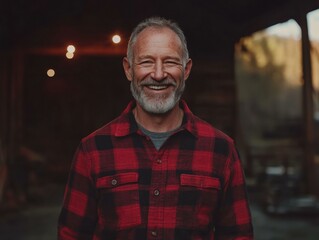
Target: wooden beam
[[87, 50], [278, 14], [308, 110]]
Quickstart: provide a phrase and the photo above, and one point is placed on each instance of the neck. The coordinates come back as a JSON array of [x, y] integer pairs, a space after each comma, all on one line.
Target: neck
[[159, 122]]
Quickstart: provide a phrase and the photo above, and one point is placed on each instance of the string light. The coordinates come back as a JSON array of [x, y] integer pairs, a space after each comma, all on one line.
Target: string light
[[50, 72], [69, 55], [70, 49], [70, 52], [116, 39]]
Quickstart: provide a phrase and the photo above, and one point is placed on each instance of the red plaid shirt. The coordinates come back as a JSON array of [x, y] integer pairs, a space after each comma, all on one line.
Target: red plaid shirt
[[121, 187]]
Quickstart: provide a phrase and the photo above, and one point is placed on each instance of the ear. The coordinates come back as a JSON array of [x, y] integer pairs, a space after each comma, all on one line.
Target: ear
[[127, 69], [188, 68]]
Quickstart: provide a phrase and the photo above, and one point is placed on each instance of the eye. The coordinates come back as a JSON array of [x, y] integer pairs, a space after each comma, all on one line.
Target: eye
[[172, 63], [146, 63]]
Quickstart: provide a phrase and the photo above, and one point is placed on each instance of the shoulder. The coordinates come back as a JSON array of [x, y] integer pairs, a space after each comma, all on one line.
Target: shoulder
[[205, 129], [123, 125], [107, 131], [201, 128]]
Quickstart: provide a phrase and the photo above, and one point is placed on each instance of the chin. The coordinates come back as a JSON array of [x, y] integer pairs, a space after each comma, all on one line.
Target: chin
[[158, 106]]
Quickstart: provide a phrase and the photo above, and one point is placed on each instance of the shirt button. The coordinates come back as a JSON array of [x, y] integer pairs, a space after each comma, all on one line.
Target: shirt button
[[156, 192], [154, 234], [114, 182], [159, 161]]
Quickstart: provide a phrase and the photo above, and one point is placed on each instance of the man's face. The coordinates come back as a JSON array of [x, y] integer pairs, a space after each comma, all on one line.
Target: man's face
[[157, 73]]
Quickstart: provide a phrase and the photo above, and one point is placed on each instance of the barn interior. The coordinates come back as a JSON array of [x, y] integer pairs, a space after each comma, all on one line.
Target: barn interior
[[43, 118]]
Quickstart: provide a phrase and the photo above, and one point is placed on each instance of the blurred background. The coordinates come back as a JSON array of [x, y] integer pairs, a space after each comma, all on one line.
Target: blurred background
[[255, 76]]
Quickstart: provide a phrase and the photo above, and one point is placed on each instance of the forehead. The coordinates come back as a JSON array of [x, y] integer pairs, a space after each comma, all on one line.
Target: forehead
[[158, 38]]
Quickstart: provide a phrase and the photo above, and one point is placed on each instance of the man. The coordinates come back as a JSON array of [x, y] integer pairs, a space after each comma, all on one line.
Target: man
[[157, 171]]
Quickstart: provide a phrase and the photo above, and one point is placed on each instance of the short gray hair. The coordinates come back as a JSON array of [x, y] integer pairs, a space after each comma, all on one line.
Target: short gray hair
[[157, 22]]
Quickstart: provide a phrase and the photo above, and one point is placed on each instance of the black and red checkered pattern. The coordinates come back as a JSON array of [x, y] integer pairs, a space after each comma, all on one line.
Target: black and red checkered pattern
[[121, 187]]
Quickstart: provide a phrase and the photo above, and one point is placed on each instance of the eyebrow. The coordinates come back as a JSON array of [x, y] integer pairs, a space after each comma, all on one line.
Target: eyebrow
[[144, 56], [166, 58]]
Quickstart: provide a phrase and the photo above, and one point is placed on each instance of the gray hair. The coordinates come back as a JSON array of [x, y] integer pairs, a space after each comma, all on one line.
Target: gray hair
[[157, 22]]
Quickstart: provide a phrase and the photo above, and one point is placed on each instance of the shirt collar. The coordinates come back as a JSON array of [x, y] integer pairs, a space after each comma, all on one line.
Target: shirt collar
[[126, 123]]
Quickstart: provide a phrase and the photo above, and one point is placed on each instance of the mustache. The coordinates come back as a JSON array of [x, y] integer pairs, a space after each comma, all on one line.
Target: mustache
[[150, 81]]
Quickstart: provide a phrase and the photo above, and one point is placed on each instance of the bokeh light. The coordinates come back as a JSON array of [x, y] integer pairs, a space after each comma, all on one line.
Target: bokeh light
[[50, 72], [69, 55], [71, 49], [116, 39]]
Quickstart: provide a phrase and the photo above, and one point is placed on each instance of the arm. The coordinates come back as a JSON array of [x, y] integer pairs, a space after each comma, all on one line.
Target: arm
[[234, 219], [78, 216]]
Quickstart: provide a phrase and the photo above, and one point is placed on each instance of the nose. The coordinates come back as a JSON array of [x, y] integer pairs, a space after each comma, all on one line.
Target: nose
[[159, 72]]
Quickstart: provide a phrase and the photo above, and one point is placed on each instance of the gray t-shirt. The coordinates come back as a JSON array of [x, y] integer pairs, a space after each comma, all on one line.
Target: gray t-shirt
[[158, 139]]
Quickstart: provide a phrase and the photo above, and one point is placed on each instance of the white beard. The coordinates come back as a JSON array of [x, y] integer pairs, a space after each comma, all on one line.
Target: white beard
[[159, 103]]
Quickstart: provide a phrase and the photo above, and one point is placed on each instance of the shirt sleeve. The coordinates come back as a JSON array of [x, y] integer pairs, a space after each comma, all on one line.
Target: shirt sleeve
[[78, 216], [234, 218]]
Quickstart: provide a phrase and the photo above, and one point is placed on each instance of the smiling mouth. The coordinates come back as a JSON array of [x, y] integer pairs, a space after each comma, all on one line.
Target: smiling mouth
[[158, 87]]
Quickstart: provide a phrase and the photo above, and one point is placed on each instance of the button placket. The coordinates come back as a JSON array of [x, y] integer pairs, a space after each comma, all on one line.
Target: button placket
[[114, 182], [154, 233], [156, 192]]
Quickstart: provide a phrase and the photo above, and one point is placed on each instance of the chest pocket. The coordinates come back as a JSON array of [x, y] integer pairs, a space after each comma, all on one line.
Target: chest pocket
[[200, 181], [198, 198], [118, 203]]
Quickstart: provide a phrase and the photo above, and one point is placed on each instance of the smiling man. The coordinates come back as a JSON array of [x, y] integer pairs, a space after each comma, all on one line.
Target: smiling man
[[157, 69], [157, 171]]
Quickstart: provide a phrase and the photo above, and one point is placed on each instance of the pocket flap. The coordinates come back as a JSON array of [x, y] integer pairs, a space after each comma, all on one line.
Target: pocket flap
[[117, 180], [199, 181]]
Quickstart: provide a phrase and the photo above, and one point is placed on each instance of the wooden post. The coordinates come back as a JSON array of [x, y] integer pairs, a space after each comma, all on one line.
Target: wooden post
[[15, 113], [308, 111]]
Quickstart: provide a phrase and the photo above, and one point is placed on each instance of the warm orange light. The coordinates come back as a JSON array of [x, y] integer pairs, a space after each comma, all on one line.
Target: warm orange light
[[70, 49], [69, 55], [50, 72], [116, 39]]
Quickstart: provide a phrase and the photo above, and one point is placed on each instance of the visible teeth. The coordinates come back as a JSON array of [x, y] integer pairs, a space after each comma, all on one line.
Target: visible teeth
[[157, 87]]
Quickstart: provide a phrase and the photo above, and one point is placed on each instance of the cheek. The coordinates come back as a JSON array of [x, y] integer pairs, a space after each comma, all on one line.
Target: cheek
[[178, 75], [140, 74]]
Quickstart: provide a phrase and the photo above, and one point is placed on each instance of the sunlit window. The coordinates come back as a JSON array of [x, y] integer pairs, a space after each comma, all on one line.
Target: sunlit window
[[289, 29], [313, 25], [269, 81]]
